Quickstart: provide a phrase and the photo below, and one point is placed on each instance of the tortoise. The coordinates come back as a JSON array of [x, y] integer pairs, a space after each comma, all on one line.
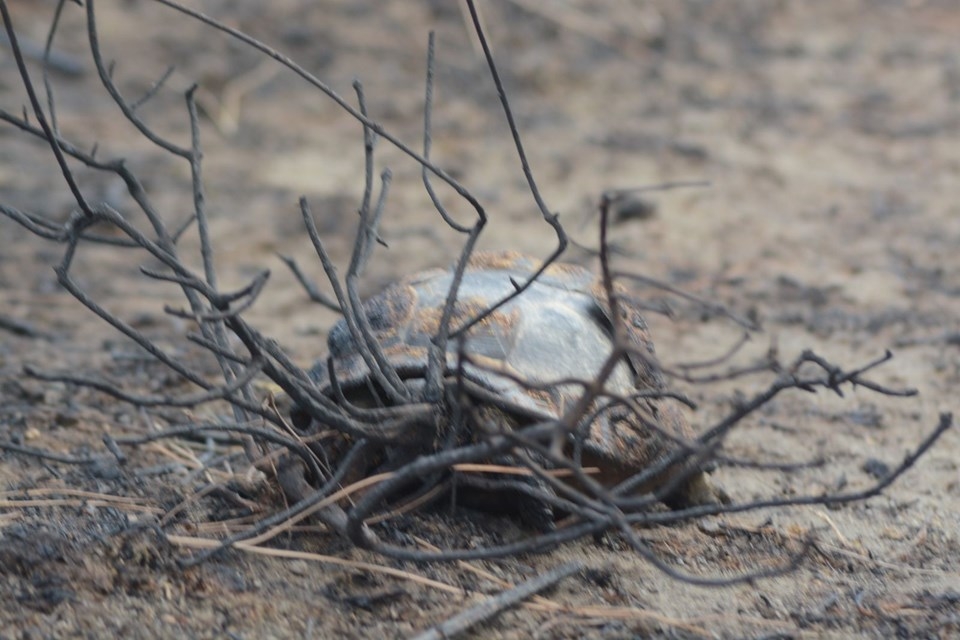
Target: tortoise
[[558, 329]]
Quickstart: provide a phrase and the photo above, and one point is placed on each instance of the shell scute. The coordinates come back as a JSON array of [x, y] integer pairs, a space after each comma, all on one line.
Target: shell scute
[[533, 351]]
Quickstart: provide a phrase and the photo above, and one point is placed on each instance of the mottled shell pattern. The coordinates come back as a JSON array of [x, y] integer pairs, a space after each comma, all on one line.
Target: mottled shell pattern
[[557, 329]]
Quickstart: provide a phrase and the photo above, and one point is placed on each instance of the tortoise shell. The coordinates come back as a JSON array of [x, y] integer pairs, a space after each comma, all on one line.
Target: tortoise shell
[[527, 352]]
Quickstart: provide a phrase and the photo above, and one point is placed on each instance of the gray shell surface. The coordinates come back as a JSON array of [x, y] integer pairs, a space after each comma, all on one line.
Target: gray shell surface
[[557, 329]]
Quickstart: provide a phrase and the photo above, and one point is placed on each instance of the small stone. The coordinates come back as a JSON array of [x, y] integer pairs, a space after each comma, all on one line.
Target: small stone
[[876, 468]]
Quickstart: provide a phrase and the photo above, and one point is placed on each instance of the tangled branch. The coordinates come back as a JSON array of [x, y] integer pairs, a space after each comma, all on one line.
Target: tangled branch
[[388, 431]]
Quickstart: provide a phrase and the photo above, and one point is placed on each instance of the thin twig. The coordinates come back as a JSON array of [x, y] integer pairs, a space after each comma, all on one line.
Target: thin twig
[[494, 606]]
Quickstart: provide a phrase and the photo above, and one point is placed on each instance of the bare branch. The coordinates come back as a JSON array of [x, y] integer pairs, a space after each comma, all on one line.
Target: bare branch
[[492, 607]]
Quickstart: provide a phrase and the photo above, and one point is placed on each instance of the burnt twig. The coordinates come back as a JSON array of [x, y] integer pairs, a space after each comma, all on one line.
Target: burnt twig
[[495, 605]]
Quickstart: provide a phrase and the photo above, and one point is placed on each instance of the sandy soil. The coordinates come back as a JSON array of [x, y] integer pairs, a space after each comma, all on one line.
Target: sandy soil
[[829, 134]]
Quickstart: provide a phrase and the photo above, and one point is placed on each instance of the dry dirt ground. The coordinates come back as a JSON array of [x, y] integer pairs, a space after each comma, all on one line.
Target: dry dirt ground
[[829, 133]]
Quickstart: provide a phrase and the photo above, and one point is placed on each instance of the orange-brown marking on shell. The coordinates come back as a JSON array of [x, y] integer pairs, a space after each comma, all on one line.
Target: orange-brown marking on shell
[[496, 260], [541, 396], [399, 304], [515, 261], [599, 293], [428, 319], [563, 268]]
